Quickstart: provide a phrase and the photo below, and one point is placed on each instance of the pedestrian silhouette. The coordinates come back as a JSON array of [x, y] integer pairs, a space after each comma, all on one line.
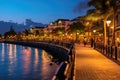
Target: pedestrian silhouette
[[85, 41], [91, 42]]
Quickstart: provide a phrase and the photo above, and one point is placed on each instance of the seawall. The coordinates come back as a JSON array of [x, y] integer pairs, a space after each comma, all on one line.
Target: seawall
[[59, 52]]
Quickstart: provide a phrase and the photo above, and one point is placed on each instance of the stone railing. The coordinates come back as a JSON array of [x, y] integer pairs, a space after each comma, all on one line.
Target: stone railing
[[66, 68]]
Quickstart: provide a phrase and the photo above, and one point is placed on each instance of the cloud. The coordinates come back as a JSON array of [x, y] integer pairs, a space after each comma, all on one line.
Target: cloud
[[81, 6]]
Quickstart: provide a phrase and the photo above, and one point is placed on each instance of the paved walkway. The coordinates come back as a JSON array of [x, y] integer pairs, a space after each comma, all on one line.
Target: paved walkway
[[92, 65]]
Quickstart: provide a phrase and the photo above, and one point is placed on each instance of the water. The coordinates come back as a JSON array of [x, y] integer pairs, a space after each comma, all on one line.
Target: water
[[25, 63]]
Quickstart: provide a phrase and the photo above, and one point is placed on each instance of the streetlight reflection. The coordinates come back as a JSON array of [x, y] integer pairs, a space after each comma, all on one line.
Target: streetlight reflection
[[3, 51], [36, 58]]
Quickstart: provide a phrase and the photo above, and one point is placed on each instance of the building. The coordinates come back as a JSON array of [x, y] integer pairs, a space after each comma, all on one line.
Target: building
[[60, 23], [37, 30], [117, 30]]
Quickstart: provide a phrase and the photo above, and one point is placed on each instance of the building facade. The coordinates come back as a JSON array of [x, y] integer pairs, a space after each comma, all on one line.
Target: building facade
[[117, 31], [60, 23]]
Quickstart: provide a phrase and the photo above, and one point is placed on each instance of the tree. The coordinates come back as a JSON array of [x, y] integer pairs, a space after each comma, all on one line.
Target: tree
[[76, 28], [102, 10], [27, 32], [0, 36], [10, 33], [58, 32]]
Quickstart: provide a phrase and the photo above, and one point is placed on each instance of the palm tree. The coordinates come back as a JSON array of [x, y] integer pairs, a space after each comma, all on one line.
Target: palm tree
[[102, 10]]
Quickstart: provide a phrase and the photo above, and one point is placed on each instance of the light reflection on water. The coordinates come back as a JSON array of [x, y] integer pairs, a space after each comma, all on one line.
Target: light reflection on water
[[44, 68], [2, 52], [25, 63], [36, 61], [26, 59]]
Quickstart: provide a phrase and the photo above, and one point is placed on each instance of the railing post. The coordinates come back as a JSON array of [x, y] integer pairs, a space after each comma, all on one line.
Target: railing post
[[94, 45], [106, 49], [111, 51], [102, 48], [115, 53]]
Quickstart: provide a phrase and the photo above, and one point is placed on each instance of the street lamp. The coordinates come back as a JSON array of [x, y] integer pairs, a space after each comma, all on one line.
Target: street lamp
[[88, 24], [108, 24], [77, 33], [93, 41], [94, 31]]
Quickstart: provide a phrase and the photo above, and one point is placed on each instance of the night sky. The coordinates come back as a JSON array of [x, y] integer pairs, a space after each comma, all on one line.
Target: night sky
[[43, 11]]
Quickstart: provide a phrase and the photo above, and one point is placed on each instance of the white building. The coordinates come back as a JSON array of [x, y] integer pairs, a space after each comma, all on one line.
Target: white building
[[60, 23]]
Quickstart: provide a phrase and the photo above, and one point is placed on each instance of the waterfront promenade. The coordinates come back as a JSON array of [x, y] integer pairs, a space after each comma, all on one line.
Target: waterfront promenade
[[92, 65]]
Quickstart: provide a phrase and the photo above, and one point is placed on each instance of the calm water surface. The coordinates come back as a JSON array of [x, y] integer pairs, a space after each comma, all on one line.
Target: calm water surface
[[25, 63]]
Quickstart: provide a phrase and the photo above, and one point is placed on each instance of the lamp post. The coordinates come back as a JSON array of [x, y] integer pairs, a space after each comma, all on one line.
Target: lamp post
[[108, 24], [77, 33], [94, 31], [88, 24], [93, 43]]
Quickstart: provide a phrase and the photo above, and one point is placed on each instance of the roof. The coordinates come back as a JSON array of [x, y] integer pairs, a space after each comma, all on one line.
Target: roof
[[62, 20], [38, 27]]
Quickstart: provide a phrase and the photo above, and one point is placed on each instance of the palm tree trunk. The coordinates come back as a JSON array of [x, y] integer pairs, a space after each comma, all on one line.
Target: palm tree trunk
[[105, 35], [114, 24]]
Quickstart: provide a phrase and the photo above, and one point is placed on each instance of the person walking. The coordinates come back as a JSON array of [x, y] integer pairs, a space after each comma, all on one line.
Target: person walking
[[85, 41], [91, 42]]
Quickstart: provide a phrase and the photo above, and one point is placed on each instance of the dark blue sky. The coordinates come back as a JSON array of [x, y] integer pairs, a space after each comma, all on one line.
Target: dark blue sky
[[43, 11]]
